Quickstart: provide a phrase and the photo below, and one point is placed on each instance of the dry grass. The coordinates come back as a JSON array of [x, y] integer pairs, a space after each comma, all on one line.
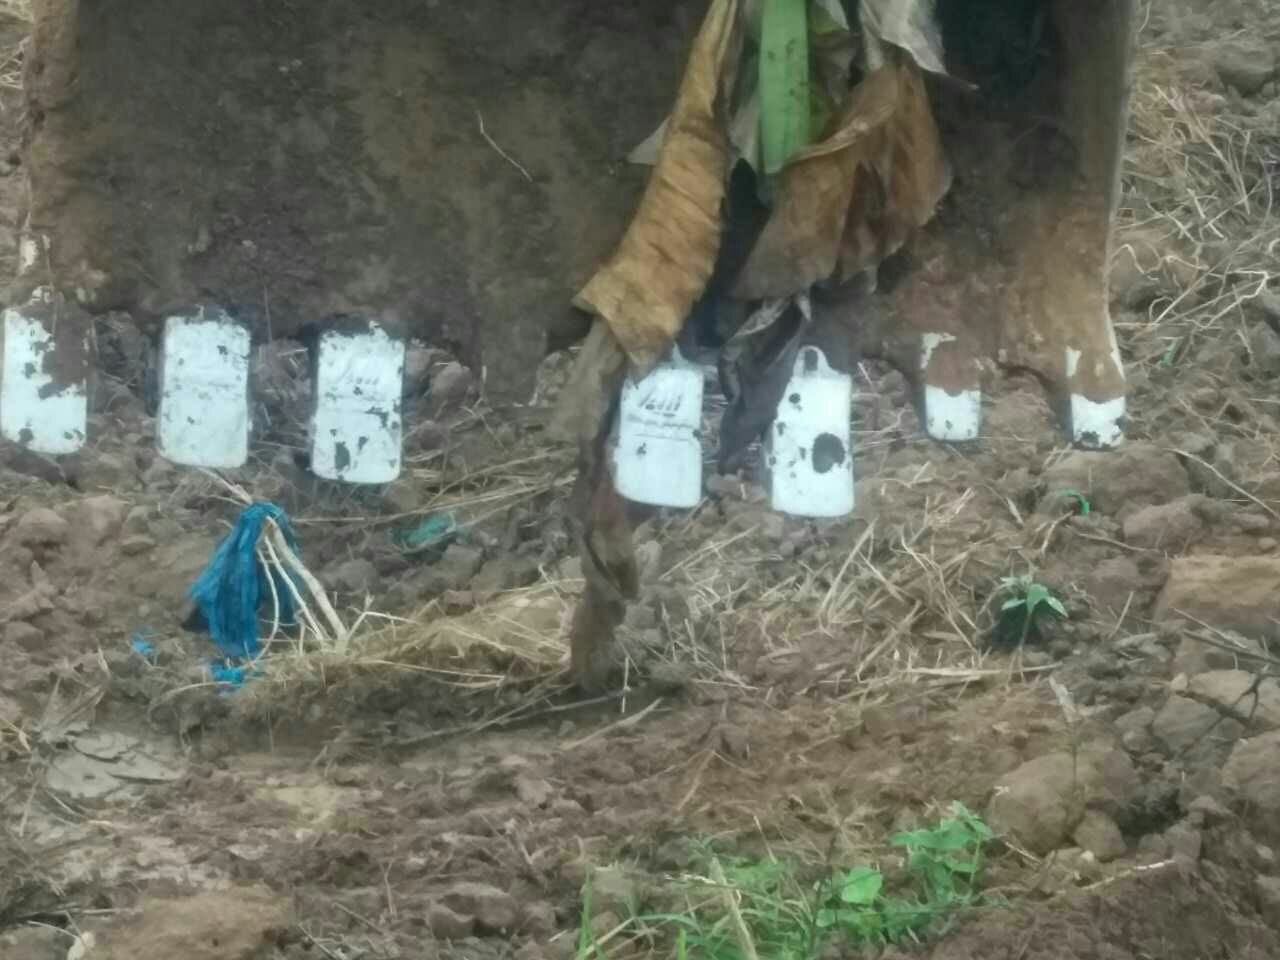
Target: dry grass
[[865, 612], [17, 9], [11, 55], [515, 640], [894, 605], [1202, 175], [15, 739], [885, 607], [1203, 179]]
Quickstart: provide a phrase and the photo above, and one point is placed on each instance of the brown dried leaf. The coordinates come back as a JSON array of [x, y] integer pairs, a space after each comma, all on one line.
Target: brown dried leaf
[[846, 203], [665, 259]]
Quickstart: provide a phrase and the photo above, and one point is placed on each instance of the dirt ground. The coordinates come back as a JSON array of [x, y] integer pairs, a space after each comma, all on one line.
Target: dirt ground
[[797, 689], [352, 159]]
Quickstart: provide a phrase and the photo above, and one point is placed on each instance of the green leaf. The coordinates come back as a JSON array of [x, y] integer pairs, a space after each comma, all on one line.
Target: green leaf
[[975, 822], [1013, 603], [905, 838], [1036, 594], [961, 864], [784, 81], [584, 923], [867, 924], [952, 835], [1056, 606], [861, 886]]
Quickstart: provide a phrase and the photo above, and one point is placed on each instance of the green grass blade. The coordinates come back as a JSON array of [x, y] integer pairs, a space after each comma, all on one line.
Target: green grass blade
[[585, 940], [784, 81]]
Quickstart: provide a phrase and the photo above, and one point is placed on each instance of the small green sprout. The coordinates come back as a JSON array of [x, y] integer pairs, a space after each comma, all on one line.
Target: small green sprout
[[1027, 603], [785, 914]]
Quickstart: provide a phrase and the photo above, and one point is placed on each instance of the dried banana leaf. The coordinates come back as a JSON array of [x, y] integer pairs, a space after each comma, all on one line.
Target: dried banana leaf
[[647, 288], [800, 244], [910, 25]]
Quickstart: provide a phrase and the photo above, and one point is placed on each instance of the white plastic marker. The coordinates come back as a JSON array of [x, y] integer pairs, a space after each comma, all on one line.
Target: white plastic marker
[[808, 454], [953, 417], [204, 390], [657, 457], [31, 250], [356, 430], [37, 409], [35, 413], [1097, 423]]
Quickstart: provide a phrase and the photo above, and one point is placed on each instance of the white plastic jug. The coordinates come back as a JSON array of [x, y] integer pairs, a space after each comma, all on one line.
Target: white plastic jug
[[355, 432], [204, 390], [808, 455], [657, 454], [34, 412]]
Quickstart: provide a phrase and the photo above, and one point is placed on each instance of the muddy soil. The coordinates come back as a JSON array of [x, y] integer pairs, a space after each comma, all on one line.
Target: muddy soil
[[797, 689], [409, 163]]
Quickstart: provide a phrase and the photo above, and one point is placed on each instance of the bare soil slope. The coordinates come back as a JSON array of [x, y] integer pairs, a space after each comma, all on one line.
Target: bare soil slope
[[311, 160]]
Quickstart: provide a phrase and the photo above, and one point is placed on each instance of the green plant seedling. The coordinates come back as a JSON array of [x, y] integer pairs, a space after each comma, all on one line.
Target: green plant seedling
[[788, 919], [1026, 603], [948, 856]]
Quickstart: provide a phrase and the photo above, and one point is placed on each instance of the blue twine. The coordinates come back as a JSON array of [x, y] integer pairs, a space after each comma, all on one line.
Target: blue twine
[[234, 584]]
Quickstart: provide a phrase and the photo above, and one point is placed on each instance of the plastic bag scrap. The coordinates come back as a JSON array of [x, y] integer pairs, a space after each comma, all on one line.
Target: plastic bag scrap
[[142, 646], [755, 367], [431, 534]]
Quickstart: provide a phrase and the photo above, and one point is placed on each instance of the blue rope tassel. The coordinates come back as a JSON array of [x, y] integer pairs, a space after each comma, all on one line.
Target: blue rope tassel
[[234, 584]]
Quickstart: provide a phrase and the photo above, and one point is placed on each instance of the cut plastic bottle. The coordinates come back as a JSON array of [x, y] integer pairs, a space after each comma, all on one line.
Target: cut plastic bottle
[[43, 391], [657, 456], [357, 427], [808, 452], [204, 390]]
